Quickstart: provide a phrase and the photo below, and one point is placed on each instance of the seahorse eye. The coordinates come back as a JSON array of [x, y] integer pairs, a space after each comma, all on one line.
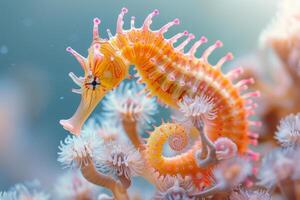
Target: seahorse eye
[[92, 82]]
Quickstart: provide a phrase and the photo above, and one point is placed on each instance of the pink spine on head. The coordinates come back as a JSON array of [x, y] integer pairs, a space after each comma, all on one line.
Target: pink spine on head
[[148, 20], [120, 21], [97, 21], [88, 102], [184, 43], [197, 44], [166, 27], [210, 49], [174, 39]]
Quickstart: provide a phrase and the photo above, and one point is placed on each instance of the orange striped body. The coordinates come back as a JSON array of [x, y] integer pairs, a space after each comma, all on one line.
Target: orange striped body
[[170, 74], [139, 47]]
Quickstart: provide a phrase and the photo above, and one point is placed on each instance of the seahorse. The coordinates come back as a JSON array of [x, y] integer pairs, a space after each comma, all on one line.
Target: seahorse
[[170, 73]]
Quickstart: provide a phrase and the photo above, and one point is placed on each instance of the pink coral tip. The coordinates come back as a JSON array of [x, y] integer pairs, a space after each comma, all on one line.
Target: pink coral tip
[[219, 43], [185, 32], [97, 20], [156, 12], [124, 10], [203, 39], [176, 21]]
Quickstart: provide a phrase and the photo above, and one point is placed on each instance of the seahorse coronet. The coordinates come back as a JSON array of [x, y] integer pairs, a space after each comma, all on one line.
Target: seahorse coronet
[[169, 73]]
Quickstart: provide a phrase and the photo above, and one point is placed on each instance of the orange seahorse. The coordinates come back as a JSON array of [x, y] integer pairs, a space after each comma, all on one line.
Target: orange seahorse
[[170, 74]]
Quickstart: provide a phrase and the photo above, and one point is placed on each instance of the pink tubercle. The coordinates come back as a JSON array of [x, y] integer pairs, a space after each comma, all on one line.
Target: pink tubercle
[[229, 56], [124, 10], [254, 142], [153, 60], [97, 21], [182, 83], [176, 21], [219, 43], [253, 135], [203, 39], [162, 68], [171, 77], [69, 49], [156, 12], [97, 46], [252, 94], [191, 36], [250, 81], [253, 155]]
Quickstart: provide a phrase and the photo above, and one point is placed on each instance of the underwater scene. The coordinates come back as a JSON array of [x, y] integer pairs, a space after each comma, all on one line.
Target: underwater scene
[[150, 100]]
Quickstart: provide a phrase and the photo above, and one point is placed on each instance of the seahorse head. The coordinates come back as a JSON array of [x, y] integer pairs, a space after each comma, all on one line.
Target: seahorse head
[[104, 69]]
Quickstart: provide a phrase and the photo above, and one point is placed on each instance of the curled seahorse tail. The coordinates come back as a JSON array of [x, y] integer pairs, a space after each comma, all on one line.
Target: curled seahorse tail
[[183, 164]]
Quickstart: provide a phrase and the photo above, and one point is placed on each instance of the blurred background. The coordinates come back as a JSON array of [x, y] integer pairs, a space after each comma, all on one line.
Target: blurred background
[[35, 90]]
